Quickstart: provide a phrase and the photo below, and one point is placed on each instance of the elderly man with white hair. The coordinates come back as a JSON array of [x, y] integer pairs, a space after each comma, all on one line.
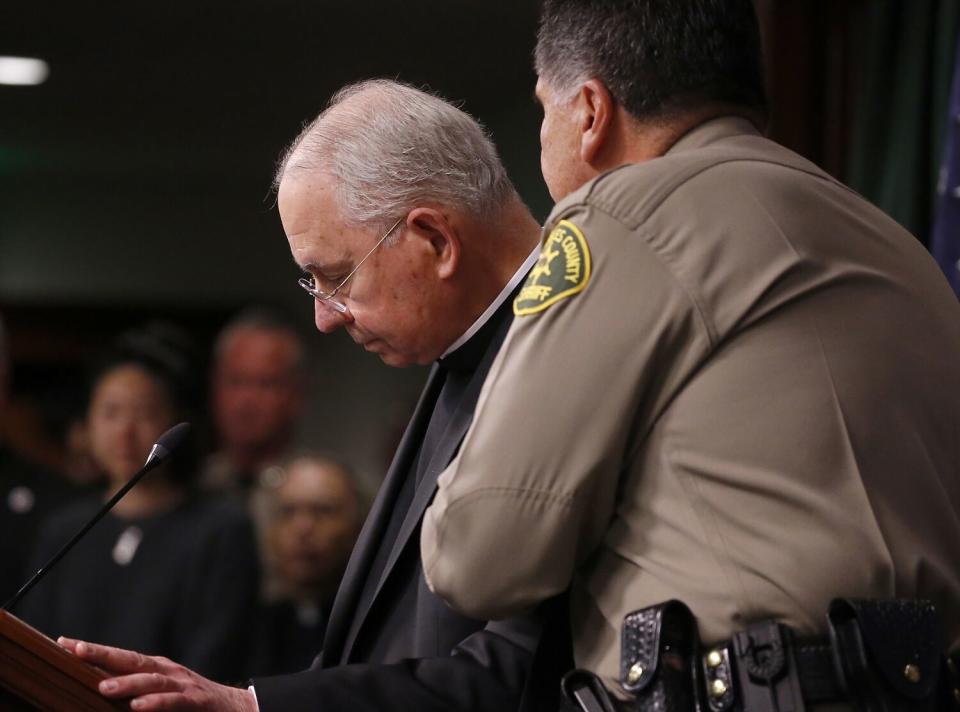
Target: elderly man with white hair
[[412, 239]]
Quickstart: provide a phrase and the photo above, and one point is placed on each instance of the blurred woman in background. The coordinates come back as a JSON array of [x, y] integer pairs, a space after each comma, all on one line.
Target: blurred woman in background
[[167, 572]]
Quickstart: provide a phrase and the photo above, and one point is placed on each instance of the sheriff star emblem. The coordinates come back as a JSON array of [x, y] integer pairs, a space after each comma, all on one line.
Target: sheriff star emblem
[[562, 270]]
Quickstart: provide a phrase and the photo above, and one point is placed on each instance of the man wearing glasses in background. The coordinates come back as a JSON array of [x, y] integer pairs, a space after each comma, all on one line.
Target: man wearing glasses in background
[[413, 240]]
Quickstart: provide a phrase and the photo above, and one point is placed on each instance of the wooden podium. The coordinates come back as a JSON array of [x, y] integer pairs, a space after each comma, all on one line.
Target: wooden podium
[[38, 674]]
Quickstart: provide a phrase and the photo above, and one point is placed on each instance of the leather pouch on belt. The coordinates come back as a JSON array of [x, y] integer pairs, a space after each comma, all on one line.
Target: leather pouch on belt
[[659, 646], [887, 654]]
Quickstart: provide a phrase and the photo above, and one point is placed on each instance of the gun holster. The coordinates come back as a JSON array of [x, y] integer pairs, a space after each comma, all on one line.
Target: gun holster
[[658, 658]]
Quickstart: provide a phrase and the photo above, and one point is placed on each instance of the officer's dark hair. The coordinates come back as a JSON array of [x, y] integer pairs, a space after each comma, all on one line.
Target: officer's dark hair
[[656, 57], [168, 355]]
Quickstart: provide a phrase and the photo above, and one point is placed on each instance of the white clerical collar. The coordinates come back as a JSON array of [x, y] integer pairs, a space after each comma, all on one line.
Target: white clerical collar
[[495, 304]]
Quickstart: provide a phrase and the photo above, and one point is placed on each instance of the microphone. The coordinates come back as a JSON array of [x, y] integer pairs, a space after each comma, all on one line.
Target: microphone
[[166, 445]]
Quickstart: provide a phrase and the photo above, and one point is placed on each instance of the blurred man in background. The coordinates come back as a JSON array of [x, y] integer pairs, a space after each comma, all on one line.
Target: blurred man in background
[[257, 397], [316, 511]]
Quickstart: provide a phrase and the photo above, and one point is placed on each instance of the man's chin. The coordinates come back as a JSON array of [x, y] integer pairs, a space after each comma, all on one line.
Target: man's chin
[[395, 360]]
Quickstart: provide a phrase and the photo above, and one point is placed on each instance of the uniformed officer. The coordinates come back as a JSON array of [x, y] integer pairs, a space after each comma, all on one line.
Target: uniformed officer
[[732, 381]]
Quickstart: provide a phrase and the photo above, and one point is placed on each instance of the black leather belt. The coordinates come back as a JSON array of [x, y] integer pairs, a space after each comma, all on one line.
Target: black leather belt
[[811, 661], [818, 681], [768, 661], [880, 655]]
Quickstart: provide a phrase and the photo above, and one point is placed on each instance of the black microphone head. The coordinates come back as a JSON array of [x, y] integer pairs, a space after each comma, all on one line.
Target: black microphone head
[[168, 443], [173, 438]]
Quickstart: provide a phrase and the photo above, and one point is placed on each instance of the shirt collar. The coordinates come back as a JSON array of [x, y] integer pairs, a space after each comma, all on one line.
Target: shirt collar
[[495, 304]]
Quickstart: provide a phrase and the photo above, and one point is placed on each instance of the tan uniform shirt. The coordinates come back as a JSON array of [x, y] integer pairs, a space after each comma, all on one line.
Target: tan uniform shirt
[[743, 392]]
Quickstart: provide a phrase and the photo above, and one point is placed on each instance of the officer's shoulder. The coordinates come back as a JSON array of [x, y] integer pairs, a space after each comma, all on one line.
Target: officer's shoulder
[[577, 200], [631, 193], [623, 193]]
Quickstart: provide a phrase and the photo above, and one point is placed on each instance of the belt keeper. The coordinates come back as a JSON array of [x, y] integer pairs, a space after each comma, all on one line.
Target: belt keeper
[[766, 669], [718, 677]]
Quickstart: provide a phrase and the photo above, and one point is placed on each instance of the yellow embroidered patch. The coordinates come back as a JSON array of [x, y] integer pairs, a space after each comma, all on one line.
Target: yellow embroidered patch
[[562, 270]]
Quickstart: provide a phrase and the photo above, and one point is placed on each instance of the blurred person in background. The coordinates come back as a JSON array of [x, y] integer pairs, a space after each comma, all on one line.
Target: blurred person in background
[[166, 570], [315, 516], [257, 398], [27, 494], [78, 466]]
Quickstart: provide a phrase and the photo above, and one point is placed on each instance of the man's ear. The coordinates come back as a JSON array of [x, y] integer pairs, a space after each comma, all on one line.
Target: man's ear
[[440, 237], [596, 112]]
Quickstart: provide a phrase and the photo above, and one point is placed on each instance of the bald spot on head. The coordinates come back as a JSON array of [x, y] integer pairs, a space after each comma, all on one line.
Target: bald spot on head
[[340, 117]]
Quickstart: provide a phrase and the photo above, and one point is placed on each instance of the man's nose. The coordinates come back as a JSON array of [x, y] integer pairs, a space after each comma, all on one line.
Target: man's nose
[[329, 319]]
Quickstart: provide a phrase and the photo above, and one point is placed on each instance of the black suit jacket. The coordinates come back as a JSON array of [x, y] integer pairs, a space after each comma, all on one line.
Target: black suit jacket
[[405, 649]]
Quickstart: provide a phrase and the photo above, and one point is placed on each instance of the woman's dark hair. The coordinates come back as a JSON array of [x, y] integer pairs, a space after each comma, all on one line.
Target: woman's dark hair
[[167, 354]]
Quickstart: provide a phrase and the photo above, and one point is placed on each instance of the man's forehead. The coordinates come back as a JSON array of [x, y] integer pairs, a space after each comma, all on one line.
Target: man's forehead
[[316, 232], [308, 480], [307, 196], [255, 341]]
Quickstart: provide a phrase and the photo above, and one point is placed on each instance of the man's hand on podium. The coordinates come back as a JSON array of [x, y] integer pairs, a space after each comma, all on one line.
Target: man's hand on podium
[[157, 683]]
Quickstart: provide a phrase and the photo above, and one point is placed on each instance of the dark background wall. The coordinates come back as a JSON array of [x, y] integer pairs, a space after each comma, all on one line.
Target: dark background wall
[[134, 183]]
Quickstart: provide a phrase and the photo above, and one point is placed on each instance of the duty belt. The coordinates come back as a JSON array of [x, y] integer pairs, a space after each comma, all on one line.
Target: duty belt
[[762, 655], [880, 656]]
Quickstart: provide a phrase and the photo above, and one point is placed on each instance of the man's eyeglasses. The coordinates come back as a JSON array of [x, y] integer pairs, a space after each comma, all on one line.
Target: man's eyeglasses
[[328, 298]]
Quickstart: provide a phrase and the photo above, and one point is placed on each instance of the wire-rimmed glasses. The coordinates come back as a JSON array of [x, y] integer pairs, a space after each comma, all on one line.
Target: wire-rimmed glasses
[[329, 298]]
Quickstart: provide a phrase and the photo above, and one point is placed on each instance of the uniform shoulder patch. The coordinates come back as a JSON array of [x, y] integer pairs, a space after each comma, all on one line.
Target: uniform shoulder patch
[[562, 270]]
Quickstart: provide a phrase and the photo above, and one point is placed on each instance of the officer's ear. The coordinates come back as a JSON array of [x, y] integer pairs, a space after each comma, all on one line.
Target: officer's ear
[[596, 111], [439, 238]]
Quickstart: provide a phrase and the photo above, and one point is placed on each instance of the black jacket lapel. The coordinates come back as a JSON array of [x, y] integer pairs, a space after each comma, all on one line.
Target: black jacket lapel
[[368, 541], [453, 435]]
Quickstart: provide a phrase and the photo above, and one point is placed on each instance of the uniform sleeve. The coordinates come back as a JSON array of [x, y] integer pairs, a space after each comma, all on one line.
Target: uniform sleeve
[[579, 381]]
